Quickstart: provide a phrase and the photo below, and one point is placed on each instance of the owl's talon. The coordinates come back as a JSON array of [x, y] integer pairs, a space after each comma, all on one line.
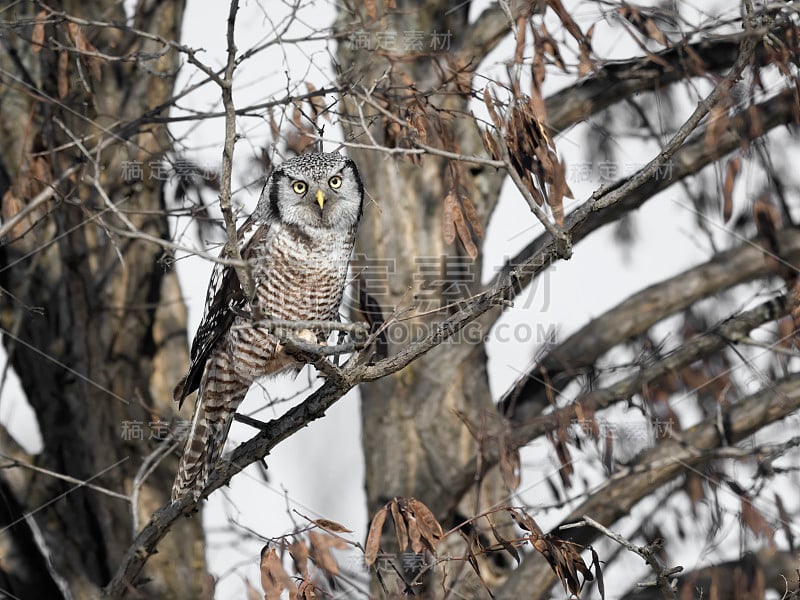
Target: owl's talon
[[308, 336]]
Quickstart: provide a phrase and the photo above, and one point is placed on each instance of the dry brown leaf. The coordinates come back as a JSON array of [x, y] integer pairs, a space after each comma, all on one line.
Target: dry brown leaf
[[507, 546], [718, 121], [449, 217], [756, 522], [429, 527], [298, 550], [598, 569], [300, 137], [794, 306], [538, 73], [472, 216], [585, 411], [526, 522], [274, 128], [414, 535], [566, 470], [786, 522], [565, 562], [608, 452], [566, 19], [373, 543], [487, 100], [731, 171], [416, 121], [94, 67], [464, 235], [320, 551], [273, 577], [550, 46], [694, 487], [558, 189], [754, 128], [74, 32], [37, 36], [653, 32], [695, 63], [332, 526], [768, 222], [11, 206], [252, 593], [520, 50], [400, 529], [317, 103], [62, 75], [786, 329], [392, 133], [86, 47], [510, 466], [372, 10], [491, 145]]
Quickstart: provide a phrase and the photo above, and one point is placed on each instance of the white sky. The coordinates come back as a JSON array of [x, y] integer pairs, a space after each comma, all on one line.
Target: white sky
[[319, 471]]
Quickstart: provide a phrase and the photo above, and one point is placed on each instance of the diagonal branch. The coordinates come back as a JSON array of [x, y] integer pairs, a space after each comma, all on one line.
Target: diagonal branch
[[779, 110], [656, 467], [617, 80], [635, 315], [699, 347], [778, 568]]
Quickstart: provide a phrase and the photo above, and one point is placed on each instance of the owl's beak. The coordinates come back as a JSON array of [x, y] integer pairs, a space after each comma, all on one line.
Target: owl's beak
[[320, 199]]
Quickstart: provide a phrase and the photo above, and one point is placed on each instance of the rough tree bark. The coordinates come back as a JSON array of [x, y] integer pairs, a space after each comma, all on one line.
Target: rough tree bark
[[413, 423], [94, 323]]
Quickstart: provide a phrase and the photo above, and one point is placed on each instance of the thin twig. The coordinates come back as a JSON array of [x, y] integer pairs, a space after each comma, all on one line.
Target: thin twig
[[649, 553], [604, 198], [149, 465], [226, 85], [18, 463]]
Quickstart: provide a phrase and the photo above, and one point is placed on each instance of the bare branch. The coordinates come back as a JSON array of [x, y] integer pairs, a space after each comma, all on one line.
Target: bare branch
[[617, 80], [606, 198], [657, 466], [635, 315], [649, 553]]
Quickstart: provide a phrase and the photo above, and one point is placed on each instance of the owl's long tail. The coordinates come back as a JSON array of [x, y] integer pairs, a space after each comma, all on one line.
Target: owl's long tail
[[220, 394]]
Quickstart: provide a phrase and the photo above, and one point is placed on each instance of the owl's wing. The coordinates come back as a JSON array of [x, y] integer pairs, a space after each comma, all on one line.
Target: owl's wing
[[225, 299]]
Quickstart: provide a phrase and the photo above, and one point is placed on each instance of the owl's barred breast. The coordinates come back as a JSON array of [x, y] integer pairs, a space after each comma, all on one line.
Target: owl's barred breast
[[297, 277]]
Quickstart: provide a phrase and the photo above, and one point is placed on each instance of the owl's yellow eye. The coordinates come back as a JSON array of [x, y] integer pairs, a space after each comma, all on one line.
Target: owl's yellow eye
[[299, 187], [335, 182]]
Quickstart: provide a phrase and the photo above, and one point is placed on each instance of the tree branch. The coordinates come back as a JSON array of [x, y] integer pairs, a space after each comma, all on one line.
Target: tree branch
[[657, 466], [781, 109], [702, 345], [779, 569], [649, 553], [618, 80], [635, 315]]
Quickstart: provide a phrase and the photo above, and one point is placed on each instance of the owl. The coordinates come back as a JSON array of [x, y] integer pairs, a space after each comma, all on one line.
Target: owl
[[298, 243]]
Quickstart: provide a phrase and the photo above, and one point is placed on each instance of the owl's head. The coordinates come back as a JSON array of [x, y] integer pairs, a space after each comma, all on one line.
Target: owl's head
[[316, 191]]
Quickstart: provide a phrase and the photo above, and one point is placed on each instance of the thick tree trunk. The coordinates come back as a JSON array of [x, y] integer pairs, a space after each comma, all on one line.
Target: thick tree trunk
[[93, 322], [415, 438]]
